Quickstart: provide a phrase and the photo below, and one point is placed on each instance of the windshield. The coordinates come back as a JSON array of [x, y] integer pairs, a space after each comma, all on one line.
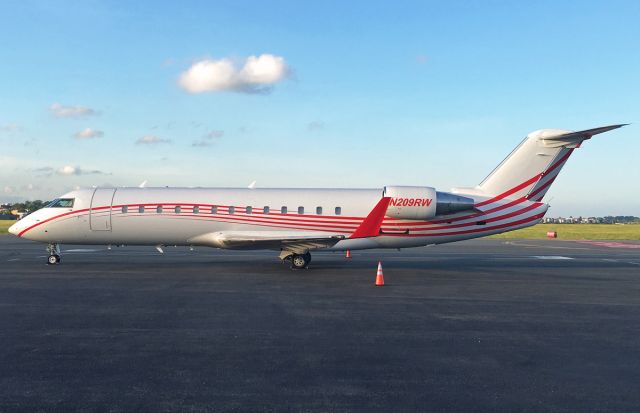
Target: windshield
[[61, 203]]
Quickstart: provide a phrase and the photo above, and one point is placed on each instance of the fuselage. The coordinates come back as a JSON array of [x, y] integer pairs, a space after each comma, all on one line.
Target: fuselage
[[178, 216]]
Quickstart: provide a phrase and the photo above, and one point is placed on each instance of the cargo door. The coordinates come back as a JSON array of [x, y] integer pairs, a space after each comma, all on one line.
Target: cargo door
[[100, 211]]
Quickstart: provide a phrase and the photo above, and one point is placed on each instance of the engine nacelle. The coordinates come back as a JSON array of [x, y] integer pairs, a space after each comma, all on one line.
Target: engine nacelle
[[411, 202], [423, 202]]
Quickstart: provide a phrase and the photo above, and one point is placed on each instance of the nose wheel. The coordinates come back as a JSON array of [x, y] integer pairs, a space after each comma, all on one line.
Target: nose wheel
[[53, 259], [54, 254], [300, 261]]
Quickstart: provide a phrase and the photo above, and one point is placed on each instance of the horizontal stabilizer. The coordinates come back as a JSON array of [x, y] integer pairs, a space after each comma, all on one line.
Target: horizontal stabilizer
[[584, 134]]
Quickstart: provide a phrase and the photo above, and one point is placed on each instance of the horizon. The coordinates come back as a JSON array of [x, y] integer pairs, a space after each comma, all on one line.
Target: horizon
[[97, 95]]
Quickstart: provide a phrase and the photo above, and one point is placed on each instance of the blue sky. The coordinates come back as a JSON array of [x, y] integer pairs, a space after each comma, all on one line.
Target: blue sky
[[367, 94]]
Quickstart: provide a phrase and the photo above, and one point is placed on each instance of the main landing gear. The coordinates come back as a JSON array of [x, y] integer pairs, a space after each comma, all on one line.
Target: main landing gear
[[54, 254], [300, 261]]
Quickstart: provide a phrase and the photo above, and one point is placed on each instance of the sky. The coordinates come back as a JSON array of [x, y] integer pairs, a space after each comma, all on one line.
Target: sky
[[316, 94]]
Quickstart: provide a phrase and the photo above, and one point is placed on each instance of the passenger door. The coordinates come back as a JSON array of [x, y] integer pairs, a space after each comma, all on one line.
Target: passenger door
[[100, 211]]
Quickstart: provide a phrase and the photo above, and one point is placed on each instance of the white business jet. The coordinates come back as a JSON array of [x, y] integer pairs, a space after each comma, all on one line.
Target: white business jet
[[297, 221]]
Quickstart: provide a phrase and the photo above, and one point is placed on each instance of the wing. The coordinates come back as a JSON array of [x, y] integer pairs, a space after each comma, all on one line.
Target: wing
[[294, 242]]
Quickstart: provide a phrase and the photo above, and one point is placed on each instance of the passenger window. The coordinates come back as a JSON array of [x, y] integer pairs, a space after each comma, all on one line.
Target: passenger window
[[318, 210], [283, 210], [265, 210], [248, 210], [125, 209], [300, 210], [232, 210], [196, 209], [214, 209], [177, 210], [338, 210], [141, 209], [159, 209]]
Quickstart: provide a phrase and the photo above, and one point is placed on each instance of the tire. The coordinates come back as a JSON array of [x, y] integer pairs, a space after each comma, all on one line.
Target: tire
[[53, 259], [300, 261]]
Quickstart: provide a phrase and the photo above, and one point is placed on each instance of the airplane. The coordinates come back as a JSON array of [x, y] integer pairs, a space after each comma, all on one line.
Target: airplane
[[295, 222]]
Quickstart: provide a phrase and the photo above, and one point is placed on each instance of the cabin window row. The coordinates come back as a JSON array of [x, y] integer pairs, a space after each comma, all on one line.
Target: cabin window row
[[231, 210]]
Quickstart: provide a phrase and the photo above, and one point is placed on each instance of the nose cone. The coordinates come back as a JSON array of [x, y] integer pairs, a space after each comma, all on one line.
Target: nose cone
[[14, 229]]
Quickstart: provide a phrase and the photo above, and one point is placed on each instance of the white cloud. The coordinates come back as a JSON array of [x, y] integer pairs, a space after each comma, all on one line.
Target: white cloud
[[151, 140], [8, 189], [209, 138], [88, 133], [69, 170], [61, 111], [257, 74]]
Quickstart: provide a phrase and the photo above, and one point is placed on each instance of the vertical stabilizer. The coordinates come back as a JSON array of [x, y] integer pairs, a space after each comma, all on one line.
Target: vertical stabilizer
[[533, 165]]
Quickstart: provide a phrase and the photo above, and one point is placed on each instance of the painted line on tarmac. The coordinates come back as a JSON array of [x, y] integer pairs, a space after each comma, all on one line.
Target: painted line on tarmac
[[551, 257], [621, 261], [517, 244], [611, 244]]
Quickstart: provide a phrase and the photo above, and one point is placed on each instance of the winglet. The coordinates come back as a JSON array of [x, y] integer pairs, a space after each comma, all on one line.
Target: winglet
[[370, 227]]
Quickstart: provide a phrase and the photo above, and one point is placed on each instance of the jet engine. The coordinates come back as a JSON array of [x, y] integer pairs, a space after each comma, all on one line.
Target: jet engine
[[423, 202]]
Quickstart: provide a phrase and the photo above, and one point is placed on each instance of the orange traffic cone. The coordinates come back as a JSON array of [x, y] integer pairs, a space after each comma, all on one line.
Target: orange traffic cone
[[348, 255], [379, 275]]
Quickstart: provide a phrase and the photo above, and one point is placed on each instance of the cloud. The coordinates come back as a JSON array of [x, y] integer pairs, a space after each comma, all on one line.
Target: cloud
[[257, 74], [9, 127], [214, 134], [316, 125], [61, 111], [209, 138], [44, 171], [69, 170], [88, 133], [9, 189], [66, 170], [151, 140]]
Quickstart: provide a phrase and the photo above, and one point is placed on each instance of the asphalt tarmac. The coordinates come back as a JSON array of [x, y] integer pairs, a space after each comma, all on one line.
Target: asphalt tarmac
[[486, 325]]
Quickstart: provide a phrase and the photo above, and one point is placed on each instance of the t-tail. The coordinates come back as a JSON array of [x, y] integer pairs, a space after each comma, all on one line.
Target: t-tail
[[532, 166]]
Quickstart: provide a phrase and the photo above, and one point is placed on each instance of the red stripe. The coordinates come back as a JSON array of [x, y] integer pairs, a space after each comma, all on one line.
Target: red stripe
[[257, 210], [225, 218], [470, 231], [494, 219], [50, 219], [511, 191], [529, 181], [543, 186]]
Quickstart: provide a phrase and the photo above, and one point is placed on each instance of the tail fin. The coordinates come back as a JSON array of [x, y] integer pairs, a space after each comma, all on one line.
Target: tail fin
[[533, 165]]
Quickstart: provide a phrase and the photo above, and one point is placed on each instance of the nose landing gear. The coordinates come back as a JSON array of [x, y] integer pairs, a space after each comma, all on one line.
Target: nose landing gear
[[54, 254]]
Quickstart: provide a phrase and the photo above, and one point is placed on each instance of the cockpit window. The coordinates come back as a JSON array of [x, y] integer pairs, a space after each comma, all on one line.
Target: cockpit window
[[61, 203]]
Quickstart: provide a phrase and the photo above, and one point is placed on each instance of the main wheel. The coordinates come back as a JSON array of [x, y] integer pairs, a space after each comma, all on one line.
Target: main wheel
[[300, 261], [53, 259]]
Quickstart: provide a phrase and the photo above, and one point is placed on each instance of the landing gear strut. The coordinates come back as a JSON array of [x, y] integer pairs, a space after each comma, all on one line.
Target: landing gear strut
[[54, 254], [300, 261]]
